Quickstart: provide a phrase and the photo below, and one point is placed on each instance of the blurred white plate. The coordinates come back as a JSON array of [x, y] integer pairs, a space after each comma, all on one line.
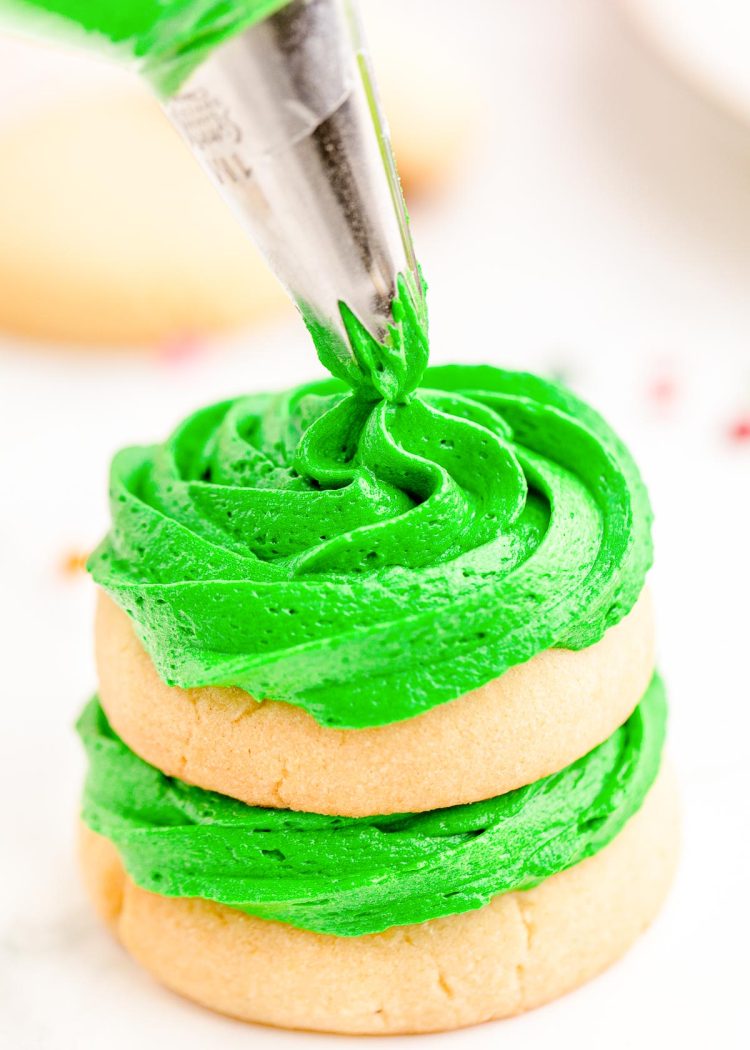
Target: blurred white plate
[[707, 40]]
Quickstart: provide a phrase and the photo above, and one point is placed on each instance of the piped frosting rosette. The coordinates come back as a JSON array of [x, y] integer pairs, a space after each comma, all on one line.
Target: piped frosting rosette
[[367, 559]]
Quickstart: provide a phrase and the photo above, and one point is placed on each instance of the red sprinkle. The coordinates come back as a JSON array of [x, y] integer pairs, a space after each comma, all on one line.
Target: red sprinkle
[[739, 430]]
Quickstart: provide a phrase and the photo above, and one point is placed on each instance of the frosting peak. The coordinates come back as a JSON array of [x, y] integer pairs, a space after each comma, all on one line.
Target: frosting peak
[[367, 559], [391, 368]]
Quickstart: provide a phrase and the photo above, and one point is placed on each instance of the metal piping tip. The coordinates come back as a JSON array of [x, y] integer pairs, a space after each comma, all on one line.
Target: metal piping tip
[[285, 117]]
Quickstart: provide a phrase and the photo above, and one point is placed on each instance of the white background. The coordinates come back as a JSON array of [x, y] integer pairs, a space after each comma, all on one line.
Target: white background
[[601, 228]]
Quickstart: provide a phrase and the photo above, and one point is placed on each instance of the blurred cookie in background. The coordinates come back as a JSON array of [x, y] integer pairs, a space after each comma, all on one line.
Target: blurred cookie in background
[[111, 233]]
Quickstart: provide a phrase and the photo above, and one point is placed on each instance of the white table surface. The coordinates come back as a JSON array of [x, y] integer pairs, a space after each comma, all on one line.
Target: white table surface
[[603, 229]]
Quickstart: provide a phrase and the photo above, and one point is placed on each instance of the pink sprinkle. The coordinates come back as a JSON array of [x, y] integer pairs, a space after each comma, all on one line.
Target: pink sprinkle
[[663, 390], [739, 430], [180, 348]]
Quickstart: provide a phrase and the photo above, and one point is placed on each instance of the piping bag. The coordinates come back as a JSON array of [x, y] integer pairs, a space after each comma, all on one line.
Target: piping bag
[[277, 99]]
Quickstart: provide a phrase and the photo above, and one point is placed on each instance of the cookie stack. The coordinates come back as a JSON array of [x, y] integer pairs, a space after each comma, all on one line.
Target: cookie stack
[[378, 740]]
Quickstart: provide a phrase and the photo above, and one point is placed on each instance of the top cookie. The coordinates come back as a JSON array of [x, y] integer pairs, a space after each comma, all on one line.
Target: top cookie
[[368, 560]]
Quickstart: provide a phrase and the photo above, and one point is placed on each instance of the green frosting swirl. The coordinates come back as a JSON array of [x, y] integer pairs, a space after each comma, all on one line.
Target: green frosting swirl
[[350, 876], [367, 560]]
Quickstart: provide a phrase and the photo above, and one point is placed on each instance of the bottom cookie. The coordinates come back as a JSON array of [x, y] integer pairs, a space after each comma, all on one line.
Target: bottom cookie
[[521, 950]]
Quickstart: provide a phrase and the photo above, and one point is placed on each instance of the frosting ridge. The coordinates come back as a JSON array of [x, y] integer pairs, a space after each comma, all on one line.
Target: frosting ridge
[[350, 876]]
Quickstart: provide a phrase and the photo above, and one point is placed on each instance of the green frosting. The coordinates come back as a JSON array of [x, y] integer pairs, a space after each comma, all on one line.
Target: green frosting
[[390, 369], [367, 560], [350, 876], [166, 38]]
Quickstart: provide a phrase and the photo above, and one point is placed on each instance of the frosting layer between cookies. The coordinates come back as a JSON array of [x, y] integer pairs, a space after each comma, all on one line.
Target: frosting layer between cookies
[[370, 559], [352, 876]]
